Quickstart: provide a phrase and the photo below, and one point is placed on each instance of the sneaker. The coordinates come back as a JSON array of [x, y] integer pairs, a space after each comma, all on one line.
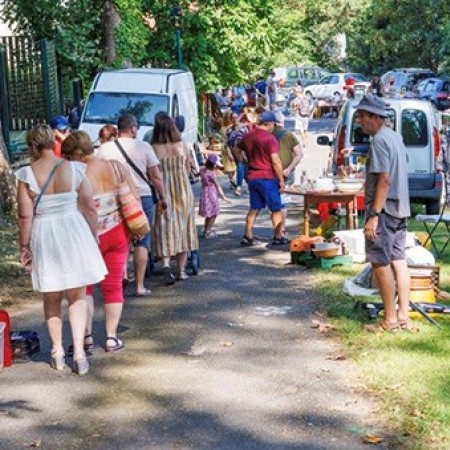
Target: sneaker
[[248, 242], [169, 278], [80, 366]]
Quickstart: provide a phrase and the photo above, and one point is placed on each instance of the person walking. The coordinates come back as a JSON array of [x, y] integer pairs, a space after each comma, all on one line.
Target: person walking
[[265, 175], [302, 111], [174, 231], [291, 154], [143, 166], [234, 134], [58, 240], [387, 208], [209, 206], [105, 178]]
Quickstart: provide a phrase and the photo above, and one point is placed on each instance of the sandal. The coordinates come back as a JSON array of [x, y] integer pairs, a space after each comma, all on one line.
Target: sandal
[[280, 241], [406, 325], [382, 327], [248, 242], [169, 278], [88, 346], [118, 345]]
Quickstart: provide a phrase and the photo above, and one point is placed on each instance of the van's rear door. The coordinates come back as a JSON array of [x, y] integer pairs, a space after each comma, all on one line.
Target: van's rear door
[[416, 127]]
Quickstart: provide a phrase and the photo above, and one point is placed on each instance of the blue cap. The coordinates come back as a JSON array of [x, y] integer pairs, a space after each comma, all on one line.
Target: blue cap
[[59, 123], [267, 117]]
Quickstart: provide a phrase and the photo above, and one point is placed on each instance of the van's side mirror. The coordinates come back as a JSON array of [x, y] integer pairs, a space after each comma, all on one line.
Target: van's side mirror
[[323, 140], [180, 123]]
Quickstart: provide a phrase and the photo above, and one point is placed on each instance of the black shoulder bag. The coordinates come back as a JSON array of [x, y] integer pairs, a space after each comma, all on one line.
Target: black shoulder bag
[[138, 171]]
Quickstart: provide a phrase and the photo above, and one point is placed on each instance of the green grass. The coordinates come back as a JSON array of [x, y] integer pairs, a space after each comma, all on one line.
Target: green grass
[[409, 373]]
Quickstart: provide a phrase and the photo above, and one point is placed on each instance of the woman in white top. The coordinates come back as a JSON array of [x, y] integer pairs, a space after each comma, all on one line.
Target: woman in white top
[[58, 240]]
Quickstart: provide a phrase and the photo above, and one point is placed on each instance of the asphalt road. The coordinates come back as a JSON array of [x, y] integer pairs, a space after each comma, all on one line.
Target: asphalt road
[[223, 360]]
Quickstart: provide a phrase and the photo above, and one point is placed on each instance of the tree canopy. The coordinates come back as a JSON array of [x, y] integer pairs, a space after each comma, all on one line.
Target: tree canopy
[[232, 41]]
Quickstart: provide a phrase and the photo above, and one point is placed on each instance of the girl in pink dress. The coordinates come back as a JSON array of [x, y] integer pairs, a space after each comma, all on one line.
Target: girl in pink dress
[[209, 196]]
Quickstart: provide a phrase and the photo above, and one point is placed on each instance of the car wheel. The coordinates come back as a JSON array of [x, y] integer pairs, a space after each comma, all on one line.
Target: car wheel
[[433, 207]]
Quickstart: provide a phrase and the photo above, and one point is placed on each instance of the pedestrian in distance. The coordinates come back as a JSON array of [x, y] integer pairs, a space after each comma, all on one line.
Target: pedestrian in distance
[[387, 209], [209, 204], [61, 129], [265, 175], [58, 228]]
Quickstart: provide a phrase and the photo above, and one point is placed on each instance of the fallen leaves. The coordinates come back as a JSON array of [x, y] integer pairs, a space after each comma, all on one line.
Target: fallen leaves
[[372, 439], [336, 358], [225, 344], [35, 443], [323, 327]]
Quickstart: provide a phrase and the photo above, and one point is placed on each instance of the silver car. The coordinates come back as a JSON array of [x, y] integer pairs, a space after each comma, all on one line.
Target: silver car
[[417, 122]]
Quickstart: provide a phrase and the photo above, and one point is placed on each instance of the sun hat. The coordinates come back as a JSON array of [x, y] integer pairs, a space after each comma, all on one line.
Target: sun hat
[[267, 117], [59, 123], [214, 159], [372, 104]]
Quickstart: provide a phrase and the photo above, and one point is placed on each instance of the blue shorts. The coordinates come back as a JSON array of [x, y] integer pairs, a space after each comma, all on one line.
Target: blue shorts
[[264, 193], [148, 207]]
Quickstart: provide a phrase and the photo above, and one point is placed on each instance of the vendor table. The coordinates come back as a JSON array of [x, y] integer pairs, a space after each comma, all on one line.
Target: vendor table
[[348, 200]]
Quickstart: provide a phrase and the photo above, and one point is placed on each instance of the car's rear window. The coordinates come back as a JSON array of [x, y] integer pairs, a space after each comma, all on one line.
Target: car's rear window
[[414, 128]]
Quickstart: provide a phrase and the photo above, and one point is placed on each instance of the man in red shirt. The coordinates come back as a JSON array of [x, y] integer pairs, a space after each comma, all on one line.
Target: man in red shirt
[[61, 129], [259, 149]]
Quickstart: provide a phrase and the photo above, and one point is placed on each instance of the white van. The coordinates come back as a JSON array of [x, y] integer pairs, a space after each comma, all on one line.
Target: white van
[[143, 93]]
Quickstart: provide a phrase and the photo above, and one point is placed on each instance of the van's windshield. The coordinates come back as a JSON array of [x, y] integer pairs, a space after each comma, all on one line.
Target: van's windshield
[[106, 107]]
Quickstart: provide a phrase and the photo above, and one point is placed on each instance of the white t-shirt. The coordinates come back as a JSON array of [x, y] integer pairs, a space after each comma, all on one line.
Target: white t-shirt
[[141, 153]]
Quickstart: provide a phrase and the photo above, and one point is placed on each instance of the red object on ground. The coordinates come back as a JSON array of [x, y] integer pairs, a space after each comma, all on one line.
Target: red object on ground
[[7, 352]]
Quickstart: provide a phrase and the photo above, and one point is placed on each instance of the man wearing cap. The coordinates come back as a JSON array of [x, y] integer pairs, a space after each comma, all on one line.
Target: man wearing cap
[[387, 208], [61, 129], [265, 174]]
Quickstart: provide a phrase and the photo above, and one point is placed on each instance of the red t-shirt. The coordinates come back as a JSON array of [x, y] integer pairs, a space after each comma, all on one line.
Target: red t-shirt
[[259, 145], [57, 147]]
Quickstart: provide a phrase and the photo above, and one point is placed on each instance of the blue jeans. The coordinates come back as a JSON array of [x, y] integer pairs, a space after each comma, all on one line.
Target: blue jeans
[[241, 174], [149, 208]]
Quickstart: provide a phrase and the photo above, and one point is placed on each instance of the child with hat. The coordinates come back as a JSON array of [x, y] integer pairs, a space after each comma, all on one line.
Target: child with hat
[[209, 195]]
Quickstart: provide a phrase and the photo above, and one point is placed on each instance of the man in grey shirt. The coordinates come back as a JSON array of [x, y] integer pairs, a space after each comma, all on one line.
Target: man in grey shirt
[[387, 208]]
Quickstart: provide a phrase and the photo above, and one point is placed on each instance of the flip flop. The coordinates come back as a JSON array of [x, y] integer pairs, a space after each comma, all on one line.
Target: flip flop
[[146, 293], [114, 348], [382, 327]]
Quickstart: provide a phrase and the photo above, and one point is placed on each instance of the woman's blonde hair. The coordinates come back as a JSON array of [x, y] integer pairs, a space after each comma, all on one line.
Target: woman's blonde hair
[[78, 140], [40, 138]]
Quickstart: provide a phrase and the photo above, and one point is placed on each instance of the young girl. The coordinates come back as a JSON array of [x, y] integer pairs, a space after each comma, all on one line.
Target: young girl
[[209, 195]]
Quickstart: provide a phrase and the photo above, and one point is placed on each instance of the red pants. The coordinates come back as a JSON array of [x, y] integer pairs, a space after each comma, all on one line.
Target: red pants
[[114, 248]]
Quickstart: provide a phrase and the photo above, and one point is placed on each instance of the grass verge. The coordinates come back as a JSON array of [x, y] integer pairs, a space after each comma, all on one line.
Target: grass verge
[[409, 373]]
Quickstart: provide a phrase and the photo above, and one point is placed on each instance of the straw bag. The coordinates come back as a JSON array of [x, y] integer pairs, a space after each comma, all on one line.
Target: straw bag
[[132, 213]]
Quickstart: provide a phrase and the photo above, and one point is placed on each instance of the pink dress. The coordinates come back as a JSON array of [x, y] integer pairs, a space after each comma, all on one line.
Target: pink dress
[[209, 197]]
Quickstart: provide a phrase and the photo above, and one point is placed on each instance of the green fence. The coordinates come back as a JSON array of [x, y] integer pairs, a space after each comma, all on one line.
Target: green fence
[[29, 84]]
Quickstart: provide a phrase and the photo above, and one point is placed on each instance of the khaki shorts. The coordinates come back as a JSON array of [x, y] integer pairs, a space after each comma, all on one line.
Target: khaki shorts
[[389, 245]]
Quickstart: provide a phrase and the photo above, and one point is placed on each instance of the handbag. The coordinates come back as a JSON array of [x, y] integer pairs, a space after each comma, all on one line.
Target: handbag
[[130, 207], [138, 171]]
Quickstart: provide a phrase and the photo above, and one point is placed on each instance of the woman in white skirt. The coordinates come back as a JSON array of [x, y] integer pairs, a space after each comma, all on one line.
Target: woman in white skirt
[[58, 240]]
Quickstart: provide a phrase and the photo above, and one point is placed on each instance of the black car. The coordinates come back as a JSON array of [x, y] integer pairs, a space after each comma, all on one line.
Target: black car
[[436, 90], [401, 82]]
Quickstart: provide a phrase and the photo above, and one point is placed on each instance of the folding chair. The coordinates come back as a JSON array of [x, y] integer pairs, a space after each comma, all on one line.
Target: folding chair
[[431, 224]]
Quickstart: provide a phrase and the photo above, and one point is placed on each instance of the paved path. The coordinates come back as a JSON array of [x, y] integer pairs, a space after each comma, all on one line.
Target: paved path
[[224, 360]]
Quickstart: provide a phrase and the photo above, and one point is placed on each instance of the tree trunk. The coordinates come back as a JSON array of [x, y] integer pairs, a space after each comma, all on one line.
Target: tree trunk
[[109, 22], [8, 191]]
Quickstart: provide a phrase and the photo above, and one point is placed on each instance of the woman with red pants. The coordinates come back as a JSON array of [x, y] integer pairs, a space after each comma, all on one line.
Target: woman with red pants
[[112, 234]]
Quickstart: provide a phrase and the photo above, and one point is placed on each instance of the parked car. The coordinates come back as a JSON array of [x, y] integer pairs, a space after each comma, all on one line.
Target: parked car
[[335, 86], [417, 122], [436, 90], [288, 76], [401, 82]]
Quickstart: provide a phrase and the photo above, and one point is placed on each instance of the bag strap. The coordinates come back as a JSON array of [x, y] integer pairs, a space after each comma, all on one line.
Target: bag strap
[[131, 163], [138, 171], [45, 186]]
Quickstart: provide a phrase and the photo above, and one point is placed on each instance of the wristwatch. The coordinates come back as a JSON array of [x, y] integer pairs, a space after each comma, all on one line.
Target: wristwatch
[[373, 213]]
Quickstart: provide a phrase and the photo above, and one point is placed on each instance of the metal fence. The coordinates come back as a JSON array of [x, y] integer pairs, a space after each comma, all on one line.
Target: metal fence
[[29, 84]]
